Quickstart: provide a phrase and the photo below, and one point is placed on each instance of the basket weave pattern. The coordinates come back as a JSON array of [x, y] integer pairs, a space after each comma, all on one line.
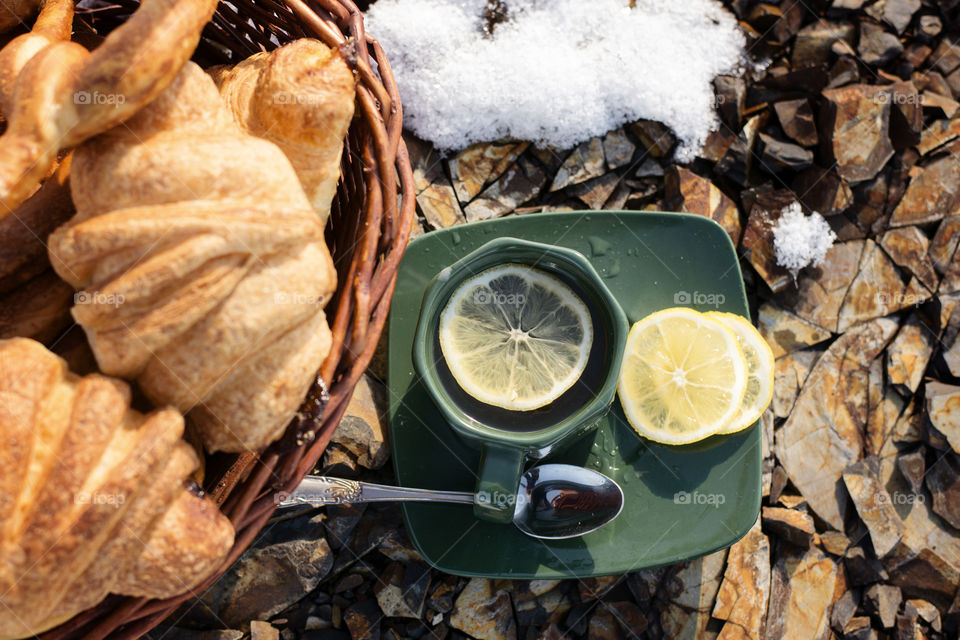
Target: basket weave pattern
[[367, 232]]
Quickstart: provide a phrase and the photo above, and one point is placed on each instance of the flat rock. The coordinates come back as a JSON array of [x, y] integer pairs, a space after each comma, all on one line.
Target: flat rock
[[435, 194], [876, 46], [480, 164], [858, 119], [862, 568], [858, 628], [884, 600], [786, 332], [629, 616], [913, 466], [595, 193], [742, 597], [802, 589], [731, 99], [943, 409], [603, 625], [792, 525], [758, 238], [260, 630], [657, 138], [834, 542], [925, 610], [821, 290], [778, 155], [909, 248], [402, 590], [926, 575], [909, 353], [824, 191], [596, 588], [876, 291], [899, 13], [943, 480], [796, 120], [618, 149], [931, 195], [935, 101], [789, 374], [906, 116], [690, 590], [874, 505], [947, 55], [585, 162], [286, 563], [520, 183], [363, 620], [843, 610], [814, 42], [937, 134], [363, 428], [483, 612], [823, 435], [686, 191]]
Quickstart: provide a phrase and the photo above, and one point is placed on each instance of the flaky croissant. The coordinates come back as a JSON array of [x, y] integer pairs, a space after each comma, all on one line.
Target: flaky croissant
[[93, 495], [203, 268], [301, 98], [55, 94]]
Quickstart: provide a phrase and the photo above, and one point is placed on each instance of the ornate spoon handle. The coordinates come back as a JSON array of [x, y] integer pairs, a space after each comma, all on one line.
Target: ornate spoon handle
[[320, 490]]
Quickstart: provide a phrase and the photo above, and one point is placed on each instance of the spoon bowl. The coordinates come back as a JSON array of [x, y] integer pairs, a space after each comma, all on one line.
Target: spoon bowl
[[559, 501], [554, 502]]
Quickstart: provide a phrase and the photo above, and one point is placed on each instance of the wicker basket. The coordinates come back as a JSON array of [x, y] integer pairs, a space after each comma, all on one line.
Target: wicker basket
[[367, 233]]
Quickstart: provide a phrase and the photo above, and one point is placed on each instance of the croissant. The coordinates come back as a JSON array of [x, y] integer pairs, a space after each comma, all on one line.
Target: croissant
[[203, 269], [34, 302], [55, 94], [93, 497], [301, 98]]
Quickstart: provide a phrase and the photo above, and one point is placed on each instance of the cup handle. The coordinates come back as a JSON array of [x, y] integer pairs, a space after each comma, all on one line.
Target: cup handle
[[496, 496]]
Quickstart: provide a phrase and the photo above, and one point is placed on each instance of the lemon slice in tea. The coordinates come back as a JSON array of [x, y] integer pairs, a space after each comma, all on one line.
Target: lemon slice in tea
[[515, 337], [683, 376], [760, 365]]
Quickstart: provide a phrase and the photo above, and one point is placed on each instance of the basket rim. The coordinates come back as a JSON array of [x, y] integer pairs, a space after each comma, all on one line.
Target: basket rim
[[246, 490]]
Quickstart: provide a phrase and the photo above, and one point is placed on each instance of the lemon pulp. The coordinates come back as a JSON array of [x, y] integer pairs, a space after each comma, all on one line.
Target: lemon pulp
[[683, 376], [760, 364], [515, 337]]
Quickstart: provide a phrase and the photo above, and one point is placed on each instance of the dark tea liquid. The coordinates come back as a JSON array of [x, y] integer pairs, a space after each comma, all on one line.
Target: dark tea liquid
[[572, 399]]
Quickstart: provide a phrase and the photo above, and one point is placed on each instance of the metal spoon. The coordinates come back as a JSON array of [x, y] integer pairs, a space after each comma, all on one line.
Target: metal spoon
[[554, 501]]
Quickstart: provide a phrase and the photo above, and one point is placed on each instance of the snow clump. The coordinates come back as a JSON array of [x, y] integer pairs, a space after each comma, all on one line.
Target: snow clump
[[557, 72]]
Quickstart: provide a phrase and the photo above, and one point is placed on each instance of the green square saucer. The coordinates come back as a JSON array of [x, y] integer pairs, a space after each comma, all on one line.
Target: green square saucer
[[680, 502]]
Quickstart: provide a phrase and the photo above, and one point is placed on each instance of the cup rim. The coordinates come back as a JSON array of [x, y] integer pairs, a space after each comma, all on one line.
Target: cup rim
[[501, 251]]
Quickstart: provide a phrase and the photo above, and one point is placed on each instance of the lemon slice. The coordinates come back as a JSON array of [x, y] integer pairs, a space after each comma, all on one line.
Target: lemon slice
[[683, 376], [760, 366], [515, 337]]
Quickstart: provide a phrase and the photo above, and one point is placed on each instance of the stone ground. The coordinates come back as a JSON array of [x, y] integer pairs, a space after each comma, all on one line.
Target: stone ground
[[856, 116]]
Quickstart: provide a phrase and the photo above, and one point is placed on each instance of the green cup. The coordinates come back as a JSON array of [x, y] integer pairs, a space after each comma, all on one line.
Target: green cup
[[507, 439]]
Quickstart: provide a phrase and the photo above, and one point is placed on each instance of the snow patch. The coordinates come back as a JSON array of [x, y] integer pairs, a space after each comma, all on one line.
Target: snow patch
[[558, 71], [800, 240]]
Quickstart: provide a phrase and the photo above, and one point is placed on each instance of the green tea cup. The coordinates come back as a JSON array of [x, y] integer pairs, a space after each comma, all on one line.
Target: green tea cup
[[508, 439]]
